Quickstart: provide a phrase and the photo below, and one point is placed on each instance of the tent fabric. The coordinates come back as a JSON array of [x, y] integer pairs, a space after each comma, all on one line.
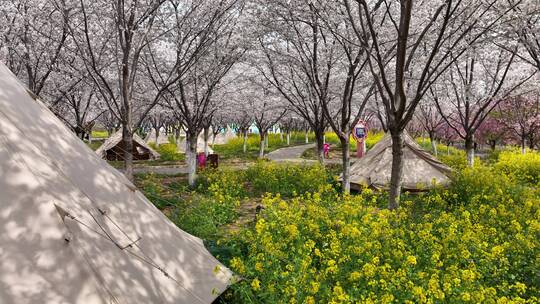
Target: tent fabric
[[161, 139], [181, 147], [142, 150], [75, 230], [223, 138], [421, 171]]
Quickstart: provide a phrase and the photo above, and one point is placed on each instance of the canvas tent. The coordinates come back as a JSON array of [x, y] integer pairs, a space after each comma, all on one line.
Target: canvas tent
[[113, 148], [75, 230], [420, 169], [223, 138], [200, 146], [160, 140]]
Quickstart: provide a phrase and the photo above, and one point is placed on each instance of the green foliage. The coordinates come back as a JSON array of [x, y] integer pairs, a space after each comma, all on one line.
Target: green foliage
[[168, 152], [200, 213], [94, 145], [372, 139], [203, 216], [151, 185], [325, 248], [523, 168], [234, 147], [99, 134], [226, 182], [286, 179]]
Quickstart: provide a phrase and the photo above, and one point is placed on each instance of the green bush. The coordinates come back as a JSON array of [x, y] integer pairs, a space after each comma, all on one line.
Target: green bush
[[324, 248], [203, 216], [224, 181], [234, 147], [168, 152], [372, 139], [524, 168], [162, 196], [100, 134], [286, 179]]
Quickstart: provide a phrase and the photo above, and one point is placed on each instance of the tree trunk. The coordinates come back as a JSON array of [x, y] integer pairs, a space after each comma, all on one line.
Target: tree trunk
[[523, 145], [191, 158], [127, 137], [319, 137], [346, 164], [177, 137], [307, 137], [433, 144], [262, 144], [280, 136], [244, 147], [396, 179], [469, 148], [288, 138], [157, 136], [206, 135], [266, 140]]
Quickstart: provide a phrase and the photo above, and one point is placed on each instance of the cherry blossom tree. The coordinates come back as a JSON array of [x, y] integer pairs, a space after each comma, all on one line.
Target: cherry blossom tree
[[202, 48], [410, 45], [34, 38], [474, 86], [520, 115], [429, 120], [110, 37], [491, 132], [298, 60]]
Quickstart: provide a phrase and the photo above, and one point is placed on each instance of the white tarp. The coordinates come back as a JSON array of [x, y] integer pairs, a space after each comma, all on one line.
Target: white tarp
[[75, 230]]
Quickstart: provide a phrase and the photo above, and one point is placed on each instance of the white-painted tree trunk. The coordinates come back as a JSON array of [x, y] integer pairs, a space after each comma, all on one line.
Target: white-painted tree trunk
[[261, 146], [470, 157], [288, 138], [191, 158], [266, 140], [434, 147], [346, 165], [206, 136], [307, 138], [245, 142], [396, 179]]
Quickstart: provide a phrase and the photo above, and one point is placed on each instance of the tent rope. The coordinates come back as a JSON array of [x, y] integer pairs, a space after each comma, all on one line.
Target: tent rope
[[59, 170]]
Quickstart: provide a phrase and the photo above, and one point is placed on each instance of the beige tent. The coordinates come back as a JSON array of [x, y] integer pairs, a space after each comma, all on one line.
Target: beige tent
[[420, 169], [113, 148], [200, 145], [223, 138], [161, 139], [75, 230]]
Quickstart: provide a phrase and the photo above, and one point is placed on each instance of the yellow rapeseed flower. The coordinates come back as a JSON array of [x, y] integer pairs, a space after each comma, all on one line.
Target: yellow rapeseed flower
[[411, 260], [256, 284]]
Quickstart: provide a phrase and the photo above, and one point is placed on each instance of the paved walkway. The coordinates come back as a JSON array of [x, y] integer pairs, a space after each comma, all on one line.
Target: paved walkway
[[289, 153]]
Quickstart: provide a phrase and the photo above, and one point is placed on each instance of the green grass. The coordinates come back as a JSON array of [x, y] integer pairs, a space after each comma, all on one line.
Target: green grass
[[234, 148], [99, 134]]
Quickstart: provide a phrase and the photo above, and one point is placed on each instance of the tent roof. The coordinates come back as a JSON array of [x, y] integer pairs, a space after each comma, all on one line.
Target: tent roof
[[200, 145], [116, 138], [420, 169], [75, 230], [223, 138]]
